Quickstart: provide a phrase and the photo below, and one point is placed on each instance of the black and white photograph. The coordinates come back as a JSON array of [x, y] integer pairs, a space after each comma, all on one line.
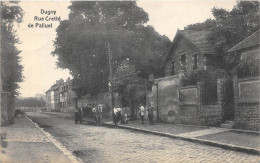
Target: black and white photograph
[[145, 81]]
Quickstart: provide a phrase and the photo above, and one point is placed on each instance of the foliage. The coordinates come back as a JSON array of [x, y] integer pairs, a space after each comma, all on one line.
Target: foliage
[[248, 68], [29, 102], [228, 28], [128, 83], [201, 75], [93, 27], [206, 25], [209, 78], [11, 69]]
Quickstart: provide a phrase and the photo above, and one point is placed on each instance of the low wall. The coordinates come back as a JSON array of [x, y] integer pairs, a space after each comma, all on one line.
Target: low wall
[[246, 100], [210, 115], [189, 114], [29, 109]]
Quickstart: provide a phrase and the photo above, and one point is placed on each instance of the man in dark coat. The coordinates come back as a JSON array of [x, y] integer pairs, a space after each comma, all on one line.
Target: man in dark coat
[[150, 110]]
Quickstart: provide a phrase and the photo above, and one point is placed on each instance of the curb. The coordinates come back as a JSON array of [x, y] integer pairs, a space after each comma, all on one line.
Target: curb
[[236, 148], [57, 144]]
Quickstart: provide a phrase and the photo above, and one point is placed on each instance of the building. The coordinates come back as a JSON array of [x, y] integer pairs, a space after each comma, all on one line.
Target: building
[[190, 50], [61, 97], [249, 47], [67, 97], [52, 98]]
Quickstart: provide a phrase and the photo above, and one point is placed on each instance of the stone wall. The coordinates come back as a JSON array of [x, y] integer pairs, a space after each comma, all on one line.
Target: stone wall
[[210, 115], [246, 101], [189, 114]]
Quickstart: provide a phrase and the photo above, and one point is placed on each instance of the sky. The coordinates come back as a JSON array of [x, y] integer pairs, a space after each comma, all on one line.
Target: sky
[[40, 70]]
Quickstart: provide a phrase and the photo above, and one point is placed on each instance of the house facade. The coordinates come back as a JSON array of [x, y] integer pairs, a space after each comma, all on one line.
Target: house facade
[[190, 50], [48, 100], [67, 97], [60, 96]]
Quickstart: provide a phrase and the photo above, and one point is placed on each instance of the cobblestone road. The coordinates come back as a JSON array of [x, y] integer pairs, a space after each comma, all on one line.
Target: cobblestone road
[[101, 144]]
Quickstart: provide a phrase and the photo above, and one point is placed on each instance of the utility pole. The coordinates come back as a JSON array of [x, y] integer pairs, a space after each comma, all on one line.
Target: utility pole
[[111, 73], [0, 69]]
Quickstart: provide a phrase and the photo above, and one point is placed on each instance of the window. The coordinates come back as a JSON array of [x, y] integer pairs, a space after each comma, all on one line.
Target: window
[[173, 68], [195, 61], [183, 59]]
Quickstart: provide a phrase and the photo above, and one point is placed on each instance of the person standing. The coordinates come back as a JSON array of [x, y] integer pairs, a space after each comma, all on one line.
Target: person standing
[[142, 113], [99, 114], [76, 110], [150, 110], [94, 111], [117, 115], [78, 115]]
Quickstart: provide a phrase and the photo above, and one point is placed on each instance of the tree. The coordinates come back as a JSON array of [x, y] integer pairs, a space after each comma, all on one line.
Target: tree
[[230, 27], [11, 69], [206, 25], [128, 84], [82, 42]]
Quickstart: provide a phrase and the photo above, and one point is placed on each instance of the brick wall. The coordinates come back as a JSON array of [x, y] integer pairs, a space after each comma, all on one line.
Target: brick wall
[[189, 114], [247, 110], [210, 115]]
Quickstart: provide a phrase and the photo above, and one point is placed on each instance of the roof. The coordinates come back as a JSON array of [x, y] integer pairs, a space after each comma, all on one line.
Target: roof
[[199, 39], [53, 87], [250, 41]]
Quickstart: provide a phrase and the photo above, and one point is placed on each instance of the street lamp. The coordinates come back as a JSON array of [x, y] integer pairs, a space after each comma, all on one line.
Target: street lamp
[[151, 79]]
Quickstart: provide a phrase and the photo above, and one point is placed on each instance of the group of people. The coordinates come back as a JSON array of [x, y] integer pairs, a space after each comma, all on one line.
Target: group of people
[[150, 110], [97, 112], [118, 117]]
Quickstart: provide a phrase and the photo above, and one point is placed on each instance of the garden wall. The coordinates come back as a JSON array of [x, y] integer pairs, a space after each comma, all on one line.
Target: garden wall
[[195, 110], [168, 100], [246, 100]]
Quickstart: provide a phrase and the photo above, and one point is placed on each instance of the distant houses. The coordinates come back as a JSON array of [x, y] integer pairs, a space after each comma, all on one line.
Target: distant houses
[[60, 97]]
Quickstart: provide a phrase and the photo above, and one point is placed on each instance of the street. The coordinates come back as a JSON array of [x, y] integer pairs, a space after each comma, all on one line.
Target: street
[[101, 144]]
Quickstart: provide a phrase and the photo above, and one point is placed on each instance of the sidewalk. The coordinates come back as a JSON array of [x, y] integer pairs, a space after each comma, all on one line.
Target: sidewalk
[[238, 140], [25, 142]]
